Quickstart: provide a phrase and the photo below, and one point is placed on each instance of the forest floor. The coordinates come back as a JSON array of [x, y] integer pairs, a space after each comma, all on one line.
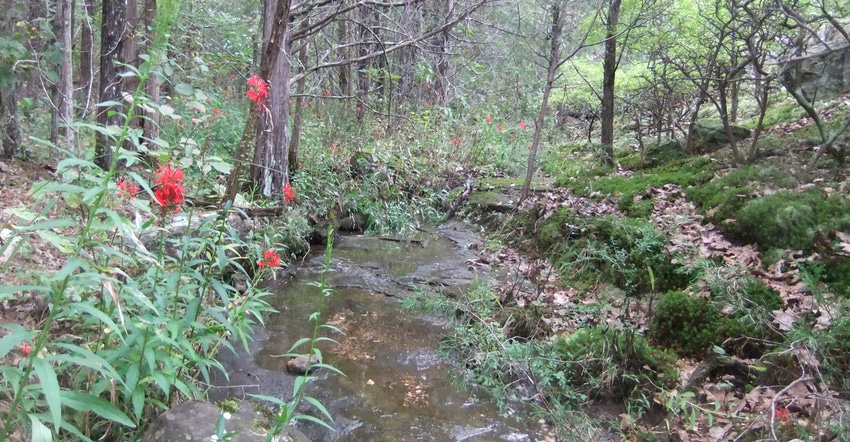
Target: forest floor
[[718, 410]]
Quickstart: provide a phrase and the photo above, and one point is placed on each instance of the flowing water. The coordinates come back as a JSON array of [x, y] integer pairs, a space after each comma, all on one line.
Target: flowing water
[[395, 387]]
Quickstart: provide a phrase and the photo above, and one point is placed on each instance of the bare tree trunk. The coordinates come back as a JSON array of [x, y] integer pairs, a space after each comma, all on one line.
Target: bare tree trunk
[[554, 62], [443, 70], [344, 70], [609, 69], [152, 118], [87, 77], [65, 89], [278, 23], [11, 136], [111, 41], [298, 118]]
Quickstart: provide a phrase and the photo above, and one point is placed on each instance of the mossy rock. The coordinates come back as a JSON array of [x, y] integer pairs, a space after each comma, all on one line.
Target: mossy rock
[[710, 137]]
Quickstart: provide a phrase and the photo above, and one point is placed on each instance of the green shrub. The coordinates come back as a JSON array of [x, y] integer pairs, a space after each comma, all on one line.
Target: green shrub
[[687, 324], [620, 251], [615, 363], [837, 277], [762, 295]]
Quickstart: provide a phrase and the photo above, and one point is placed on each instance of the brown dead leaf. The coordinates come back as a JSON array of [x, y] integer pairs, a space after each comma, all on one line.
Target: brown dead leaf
[[783, 319]]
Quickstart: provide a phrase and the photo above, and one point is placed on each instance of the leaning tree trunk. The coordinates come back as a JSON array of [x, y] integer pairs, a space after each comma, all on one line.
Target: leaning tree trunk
[[111, 46], [554, 63]]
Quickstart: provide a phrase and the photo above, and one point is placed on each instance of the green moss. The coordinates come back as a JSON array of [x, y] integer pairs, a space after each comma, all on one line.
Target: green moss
[[689, 325], [790, 219], [483, 199], [837, 277], [762, 295], [686, 172]]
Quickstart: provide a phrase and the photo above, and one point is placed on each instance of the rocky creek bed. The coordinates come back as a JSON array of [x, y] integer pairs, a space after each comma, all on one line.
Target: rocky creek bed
[[396, 387]]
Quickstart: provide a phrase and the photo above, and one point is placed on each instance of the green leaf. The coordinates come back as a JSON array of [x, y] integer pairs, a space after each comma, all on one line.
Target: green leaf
[[18, 335], [50, 389], [82, 401], [40, 433], [221, 166], [329, 367], [52, 224], [319, 406], [271, 399], [298, 343], [185, 89], [306, 417]]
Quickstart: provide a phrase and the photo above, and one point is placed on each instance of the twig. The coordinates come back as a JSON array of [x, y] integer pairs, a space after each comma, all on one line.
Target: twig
[[803, 378]]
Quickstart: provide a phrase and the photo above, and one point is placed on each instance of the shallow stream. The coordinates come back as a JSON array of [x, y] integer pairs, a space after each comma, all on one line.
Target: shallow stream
[[396, 387]]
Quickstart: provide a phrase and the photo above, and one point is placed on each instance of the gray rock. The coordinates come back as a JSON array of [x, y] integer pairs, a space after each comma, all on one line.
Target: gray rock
[[197, 421]]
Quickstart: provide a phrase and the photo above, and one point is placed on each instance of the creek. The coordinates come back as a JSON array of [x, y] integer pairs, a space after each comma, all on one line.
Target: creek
[[396, 387]]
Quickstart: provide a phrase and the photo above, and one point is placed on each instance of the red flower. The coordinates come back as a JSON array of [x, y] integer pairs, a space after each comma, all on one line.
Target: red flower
[[169, 188], [288, 193], [489, 118], [457, 142], [25, 348], [426, 104], [782, 414], [500, 127], [270, 259], [259, 91], [127, 188], [216, 115], [522, 124]]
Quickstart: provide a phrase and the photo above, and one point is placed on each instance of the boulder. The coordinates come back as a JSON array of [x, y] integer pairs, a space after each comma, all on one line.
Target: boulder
[[710, 137], [197, 421]]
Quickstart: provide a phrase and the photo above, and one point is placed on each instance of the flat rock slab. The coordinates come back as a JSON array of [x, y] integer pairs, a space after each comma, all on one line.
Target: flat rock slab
[[195, 421]]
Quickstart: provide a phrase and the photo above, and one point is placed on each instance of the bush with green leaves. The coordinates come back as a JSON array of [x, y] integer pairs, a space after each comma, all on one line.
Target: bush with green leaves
[[620, 251], [612, 363], [689, 324]]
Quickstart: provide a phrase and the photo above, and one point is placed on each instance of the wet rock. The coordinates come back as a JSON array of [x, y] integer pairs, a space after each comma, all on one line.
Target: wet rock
[[298, 364], [196, 421]]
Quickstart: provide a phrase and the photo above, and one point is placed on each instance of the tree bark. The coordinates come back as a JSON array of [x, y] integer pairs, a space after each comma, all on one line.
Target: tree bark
[[298, 118], [269, 171], [554, 63], [65, 88], [609, 69], [152, 118], [87, 77], [111, 47]]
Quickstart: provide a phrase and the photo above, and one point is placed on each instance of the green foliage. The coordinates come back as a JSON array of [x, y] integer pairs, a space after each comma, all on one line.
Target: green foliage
[[724, 197], [616, 250], [688, 324], [788, 219], [830, 346], [837, 277], [686, 172], [615, 364]]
